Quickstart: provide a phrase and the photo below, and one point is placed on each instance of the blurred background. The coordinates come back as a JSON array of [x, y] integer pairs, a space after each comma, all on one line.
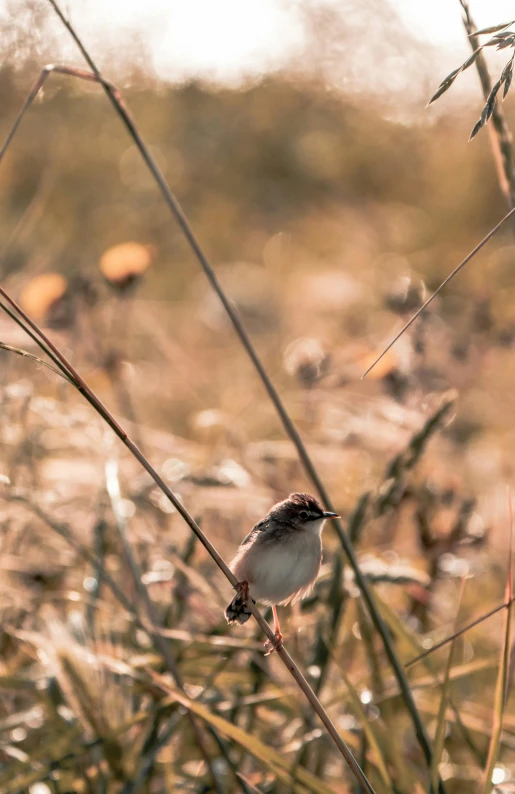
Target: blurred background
[[331, 203]]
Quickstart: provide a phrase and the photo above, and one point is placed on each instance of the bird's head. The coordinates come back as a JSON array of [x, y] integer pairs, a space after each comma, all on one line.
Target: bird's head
[[302, 510]]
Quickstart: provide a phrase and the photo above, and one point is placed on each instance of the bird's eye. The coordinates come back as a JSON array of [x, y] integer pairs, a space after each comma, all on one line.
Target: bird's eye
[[303, 515]]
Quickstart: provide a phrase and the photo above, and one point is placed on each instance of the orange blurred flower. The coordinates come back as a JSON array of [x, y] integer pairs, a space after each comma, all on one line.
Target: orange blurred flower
[[122, 264], [388, 364], [42, 294]]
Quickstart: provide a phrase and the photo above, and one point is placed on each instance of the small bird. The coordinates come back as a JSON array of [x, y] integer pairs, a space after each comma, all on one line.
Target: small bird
[[279, 560]]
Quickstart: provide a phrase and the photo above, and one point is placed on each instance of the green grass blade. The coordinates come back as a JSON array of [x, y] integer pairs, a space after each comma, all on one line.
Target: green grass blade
[[499, 701], [399, 630], [385, 732], [396, 626], [372, 739], [502, 678], [444, 701], [458, 671], [441, 720]]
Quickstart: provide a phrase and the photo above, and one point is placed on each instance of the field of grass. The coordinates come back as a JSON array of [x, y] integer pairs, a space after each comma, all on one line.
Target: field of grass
[[327, 222]]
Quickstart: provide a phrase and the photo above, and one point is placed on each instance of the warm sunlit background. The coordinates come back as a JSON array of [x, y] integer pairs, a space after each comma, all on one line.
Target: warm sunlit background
[[330, 201], [230, 40]]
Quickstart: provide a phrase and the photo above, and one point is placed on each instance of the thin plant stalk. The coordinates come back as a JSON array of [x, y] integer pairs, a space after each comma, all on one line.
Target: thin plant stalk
[[439, 741], [501, 688], [441, 721], [368, 732]]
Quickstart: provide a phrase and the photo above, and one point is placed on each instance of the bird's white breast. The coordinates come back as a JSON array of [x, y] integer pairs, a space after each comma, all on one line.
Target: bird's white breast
[[283, 571]]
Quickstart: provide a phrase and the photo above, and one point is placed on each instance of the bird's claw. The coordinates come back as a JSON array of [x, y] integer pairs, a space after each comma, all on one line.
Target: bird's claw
[[277, 644], [242, 588]]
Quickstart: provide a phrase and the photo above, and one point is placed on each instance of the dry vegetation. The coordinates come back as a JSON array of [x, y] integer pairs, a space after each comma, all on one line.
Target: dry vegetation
[[325, 221]]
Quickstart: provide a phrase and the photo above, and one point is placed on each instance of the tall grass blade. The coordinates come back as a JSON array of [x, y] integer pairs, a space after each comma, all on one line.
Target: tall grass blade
[[392, 750], [444, 702], [372, 739], [502, 676]]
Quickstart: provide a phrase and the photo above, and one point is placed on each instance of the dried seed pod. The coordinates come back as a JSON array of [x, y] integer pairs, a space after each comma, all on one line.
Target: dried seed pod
[[306, 360], [406, 295]]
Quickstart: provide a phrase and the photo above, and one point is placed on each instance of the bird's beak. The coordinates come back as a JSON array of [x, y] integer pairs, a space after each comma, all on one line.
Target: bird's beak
[[328, 514]]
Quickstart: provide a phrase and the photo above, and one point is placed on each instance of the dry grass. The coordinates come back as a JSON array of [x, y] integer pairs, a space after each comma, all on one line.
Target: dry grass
[[118, 673]]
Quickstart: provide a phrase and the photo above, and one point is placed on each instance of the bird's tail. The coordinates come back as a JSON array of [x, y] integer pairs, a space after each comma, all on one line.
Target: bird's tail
[[237, 611]]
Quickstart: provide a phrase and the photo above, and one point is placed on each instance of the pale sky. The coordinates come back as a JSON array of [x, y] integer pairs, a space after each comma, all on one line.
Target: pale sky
[[439, 21], [227, 39], [223, 37]]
